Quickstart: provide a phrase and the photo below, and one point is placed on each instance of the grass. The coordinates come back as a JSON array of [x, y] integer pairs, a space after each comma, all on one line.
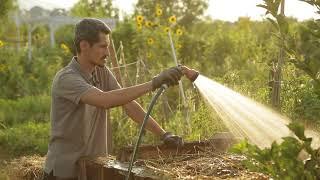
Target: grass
[[25, 138]]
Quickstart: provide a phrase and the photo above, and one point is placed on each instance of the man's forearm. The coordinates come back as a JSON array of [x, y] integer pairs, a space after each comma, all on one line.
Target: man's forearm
[[136, 113], [116, 97]]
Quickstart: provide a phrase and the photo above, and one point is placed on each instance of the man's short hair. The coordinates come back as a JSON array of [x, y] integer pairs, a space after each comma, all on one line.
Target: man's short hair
[[88, 29]]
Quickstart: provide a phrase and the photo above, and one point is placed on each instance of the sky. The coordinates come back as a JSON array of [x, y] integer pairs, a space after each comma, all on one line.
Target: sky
[[229, 10]]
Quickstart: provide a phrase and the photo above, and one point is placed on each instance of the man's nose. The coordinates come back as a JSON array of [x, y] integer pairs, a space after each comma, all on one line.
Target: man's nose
[[108, 52]]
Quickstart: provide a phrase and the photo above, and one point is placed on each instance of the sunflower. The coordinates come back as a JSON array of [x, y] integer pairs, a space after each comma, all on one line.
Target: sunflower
[[149, 24], [179, 32], [2, 67], [139, 26], [158, 11], [150, 41], [65, 48], [166, 29], [149, 55], [139, 18], [37, 36], [1, 43], [179, 46], [172, 19]]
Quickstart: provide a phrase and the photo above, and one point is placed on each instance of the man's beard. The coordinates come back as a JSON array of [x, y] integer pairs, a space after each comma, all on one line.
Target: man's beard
[[104, 58]]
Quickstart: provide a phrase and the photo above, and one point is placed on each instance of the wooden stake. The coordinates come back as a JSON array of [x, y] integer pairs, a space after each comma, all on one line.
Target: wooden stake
[[184, 102], [126, 75], [114, 61], [276, 89]]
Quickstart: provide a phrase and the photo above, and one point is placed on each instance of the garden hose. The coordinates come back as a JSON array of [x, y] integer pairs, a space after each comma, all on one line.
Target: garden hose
[[146, 117]]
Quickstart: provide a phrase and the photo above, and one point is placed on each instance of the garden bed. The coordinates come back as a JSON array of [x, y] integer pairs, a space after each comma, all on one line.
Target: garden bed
[[196, 160]]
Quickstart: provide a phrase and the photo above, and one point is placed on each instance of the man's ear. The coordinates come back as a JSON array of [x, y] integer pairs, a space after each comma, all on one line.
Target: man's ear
[[84, 45]]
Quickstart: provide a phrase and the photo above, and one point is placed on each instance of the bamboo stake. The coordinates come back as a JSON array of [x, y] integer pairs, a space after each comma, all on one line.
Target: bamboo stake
[[114, 61], [184, 102], [138, 71], [176, 62], [126, 75]]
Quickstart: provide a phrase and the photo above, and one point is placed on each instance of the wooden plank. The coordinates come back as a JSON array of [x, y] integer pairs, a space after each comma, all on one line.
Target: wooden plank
[[82, 170], [98, 168]]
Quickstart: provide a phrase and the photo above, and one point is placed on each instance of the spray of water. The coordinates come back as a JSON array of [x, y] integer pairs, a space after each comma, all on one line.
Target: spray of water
[[244, 117]]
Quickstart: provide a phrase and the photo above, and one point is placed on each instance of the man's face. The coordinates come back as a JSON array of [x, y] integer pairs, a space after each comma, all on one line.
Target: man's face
[[98, 52]]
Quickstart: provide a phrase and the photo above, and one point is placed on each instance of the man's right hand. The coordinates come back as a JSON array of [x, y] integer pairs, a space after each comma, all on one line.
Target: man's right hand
[[172, 140], [169, 77]]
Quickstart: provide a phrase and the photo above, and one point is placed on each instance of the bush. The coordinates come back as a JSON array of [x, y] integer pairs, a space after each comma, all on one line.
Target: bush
[[35, 108], [281, 161], [22, 77], [26, 138]]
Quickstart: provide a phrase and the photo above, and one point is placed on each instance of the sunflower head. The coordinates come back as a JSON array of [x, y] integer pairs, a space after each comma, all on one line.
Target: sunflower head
[[139, 18], [65, 48], [179, 32], [166, 29], [172, 19], [158, 11], [150, 41], [149, 55], [2, 67], [149, 24], [179, 46], [139, 26], [1, 43]]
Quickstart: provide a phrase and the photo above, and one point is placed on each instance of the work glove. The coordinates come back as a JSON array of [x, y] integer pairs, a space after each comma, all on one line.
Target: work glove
[[172, 140], [169, 77]]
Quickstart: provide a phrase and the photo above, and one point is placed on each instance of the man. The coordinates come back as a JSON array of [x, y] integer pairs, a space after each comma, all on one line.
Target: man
[[82, 91]]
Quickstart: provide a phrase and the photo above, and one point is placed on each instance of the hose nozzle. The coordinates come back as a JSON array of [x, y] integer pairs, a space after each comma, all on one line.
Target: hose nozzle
[[191, 74]]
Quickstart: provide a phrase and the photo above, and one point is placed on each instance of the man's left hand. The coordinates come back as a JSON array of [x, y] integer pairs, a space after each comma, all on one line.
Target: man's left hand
[[172, 140]]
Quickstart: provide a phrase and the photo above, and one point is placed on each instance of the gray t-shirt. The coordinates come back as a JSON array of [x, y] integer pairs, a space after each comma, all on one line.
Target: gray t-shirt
[[77, 129]]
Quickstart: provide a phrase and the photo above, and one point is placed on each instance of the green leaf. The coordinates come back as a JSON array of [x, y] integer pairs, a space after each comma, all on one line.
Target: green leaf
[[298, 130], [283, 24], [262, 6], [273, 22], [240, 148], [290, 147]]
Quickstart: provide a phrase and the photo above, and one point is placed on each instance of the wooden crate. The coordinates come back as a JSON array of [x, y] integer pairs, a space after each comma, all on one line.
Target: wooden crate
[[220, 142], [99, 168], [102, 168]]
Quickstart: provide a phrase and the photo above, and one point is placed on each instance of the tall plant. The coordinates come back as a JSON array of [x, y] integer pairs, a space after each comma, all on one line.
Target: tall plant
[[303, 55]]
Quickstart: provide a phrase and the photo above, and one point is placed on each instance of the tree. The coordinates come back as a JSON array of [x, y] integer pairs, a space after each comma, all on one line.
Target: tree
[[300, 48], [306, 56], [95, 8], [186, 11], [5, 7]]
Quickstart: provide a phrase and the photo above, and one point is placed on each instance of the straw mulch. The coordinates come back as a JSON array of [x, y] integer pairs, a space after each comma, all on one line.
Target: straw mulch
[[204, 165], [26, 168]]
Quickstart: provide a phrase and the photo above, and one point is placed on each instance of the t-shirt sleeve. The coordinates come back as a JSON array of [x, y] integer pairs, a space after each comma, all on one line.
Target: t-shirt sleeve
[[72, 87], [113, 83]]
